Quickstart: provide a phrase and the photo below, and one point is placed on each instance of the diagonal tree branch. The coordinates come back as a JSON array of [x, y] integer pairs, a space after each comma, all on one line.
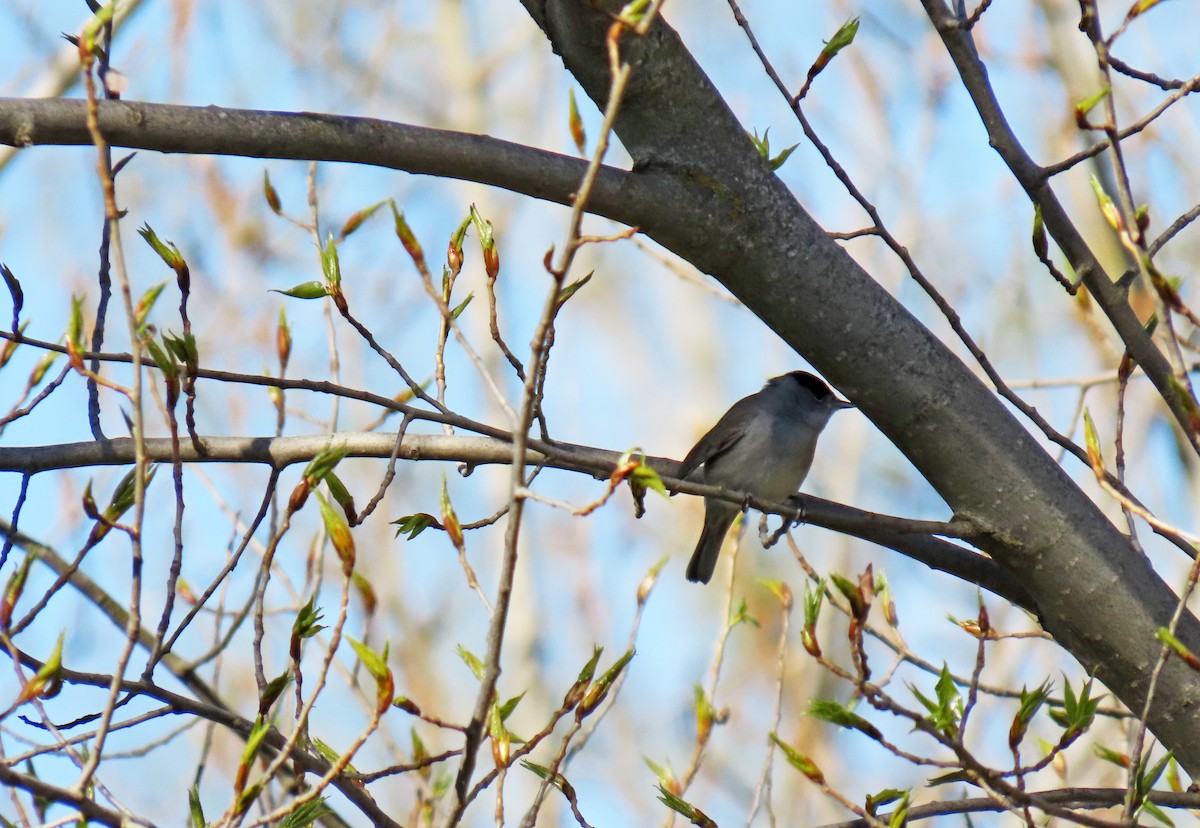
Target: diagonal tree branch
[[1100, 598], [700, 188]]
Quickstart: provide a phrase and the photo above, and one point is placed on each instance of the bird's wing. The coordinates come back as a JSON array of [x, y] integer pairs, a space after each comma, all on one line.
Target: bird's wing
[[719, 439]]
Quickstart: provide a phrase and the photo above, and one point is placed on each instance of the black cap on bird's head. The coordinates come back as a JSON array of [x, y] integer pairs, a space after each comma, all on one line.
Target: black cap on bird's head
[[814, 385]]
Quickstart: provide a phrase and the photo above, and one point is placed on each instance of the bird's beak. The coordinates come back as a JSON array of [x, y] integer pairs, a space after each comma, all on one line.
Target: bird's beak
[[840, 404]]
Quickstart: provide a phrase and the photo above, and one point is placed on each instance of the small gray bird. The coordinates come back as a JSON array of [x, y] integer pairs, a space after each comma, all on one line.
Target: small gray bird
[[763, 445]]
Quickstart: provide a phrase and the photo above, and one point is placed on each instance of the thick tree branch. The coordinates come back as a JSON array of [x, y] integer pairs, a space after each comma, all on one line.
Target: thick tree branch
[[1100, 598], [700, 188], [915, 539], [317, 137]]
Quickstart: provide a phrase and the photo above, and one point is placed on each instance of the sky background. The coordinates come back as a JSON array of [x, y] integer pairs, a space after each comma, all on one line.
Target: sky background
[[644, 358]]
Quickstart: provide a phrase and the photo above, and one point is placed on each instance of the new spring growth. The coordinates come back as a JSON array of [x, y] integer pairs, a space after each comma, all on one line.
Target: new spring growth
[[339, 534], [1087, 105], [405, 234], [170, 254], [813, 598], [120, 503], [600, 688], [314, 473], [684, 808], [376, 664], [307, 624], [14, 290], [842, 38], [271, 195], [13, 590], [454, 250], [491, 255], [1031, 703], [575, 693], [48, 680], [799, 761], [75, 332], [283, 340], [355, 221], [142, 310], [575, 123]]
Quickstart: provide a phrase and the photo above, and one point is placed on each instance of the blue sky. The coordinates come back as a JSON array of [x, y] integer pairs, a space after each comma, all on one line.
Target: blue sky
[[643, 358]]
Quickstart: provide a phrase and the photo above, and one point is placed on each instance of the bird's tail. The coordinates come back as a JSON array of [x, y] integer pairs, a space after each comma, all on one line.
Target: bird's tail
[[718, 517]]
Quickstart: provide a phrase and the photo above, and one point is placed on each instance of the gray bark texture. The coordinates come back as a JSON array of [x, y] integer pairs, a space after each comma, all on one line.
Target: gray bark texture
[[700, 188], [1096, 594]]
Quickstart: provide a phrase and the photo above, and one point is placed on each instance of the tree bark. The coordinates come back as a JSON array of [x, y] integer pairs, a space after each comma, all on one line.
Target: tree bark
[[1097, 595], [700, 188]]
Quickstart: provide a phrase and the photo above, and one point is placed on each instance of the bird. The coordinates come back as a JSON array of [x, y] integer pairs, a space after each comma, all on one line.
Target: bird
[[763, 445]]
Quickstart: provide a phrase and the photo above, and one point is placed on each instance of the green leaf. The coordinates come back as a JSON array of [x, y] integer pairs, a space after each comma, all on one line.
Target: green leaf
[[509, 706], [307, 813], [165, 362], [899, 816], [650, 479], [885, 797], [763, 145], [1031, 702], [799, 761], [305, 290], [183, 347], [273, 691], [247, 797], [571, 289], [813, 598], [842, 38], [125, 492], [325, 462], [306, 624], [663, 773], [836, 713], [146, 303], [781, 159], [338, 491], [195, 810], [589, 669], [483, 227], [1089, 103], [329, 754], [75, 325], [684, 808], [742, 616], [1156, 812], [599, 690], [376, 663], [339, 534], [413, 525], [1078, 711], [167, 251], [472, 661], [540, 771], [1112, 756], [1177, 647], [407, 238], [1040, 246], [946, 711], [259, 732], [461, 306], [331, 265]]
